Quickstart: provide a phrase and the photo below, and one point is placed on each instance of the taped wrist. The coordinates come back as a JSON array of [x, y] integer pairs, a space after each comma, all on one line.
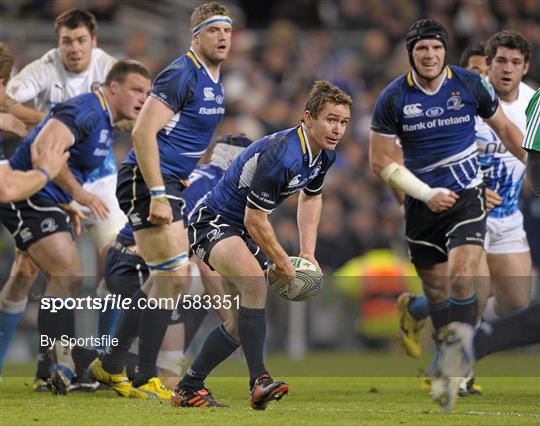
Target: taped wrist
[[533, 170], [401, 178]]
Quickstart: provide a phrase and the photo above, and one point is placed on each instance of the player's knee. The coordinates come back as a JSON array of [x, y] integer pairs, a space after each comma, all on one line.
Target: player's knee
[[462, 286], [66, 286], [24, 267], [254, 292]]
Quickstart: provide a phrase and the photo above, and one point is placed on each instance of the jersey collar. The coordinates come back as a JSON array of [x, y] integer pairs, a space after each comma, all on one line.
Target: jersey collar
[[411, 81], [104, 105], [304, 143], [200, 64]]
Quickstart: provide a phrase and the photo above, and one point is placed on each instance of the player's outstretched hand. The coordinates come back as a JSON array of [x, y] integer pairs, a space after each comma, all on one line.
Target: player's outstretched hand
[[160, 212], [442, 200], [12, 124], [51, 158], [96, 205], [492, 199]]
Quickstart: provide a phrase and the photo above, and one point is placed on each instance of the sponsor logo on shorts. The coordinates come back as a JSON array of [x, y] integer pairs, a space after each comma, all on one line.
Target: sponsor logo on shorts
[[48, 225], [175, 316], [480, 240], [26, 234], [135, 218], [214, 234], [200, 252]]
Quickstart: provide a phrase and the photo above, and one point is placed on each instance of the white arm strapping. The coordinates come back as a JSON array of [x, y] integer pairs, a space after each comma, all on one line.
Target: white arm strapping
[[401, 178]]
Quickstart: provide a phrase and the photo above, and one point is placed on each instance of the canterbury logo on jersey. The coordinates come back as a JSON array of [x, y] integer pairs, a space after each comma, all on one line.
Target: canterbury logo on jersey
[[413, 110]]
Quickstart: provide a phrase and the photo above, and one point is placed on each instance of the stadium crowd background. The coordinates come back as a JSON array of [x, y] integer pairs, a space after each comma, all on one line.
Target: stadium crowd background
[[279, 48]]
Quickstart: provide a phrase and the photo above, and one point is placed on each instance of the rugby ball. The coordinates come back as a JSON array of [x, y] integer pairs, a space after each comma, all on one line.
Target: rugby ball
[[306, 285]]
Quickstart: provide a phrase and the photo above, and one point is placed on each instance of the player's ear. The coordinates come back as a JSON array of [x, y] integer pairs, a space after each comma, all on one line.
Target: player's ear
[[94, 42], [114, 87], [526, 68], [308, 119]]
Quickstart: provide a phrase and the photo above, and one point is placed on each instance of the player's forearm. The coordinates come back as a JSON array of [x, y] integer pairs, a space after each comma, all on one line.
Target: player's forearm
[[262, 233], [308, 217], [402, 179], [67, 181], [512, 138], [26, 114], [17, 185], [147, 153]]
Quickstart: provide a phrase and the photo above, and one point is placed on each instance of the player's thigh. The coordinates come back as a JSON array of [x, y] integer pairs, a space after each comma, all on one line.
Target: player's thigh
[[512, 281], [463, 260], [510, 264], [231, 258], [56, 255], [159, 243]]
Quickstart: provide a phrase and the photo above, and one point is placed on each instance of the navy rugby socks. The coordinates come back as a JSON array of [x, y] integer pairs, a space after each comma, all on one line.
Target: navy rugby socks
[[252, 331], [464, 310], [113, 360], [440, 314], [152, 328], [515, 330], [218, 346]]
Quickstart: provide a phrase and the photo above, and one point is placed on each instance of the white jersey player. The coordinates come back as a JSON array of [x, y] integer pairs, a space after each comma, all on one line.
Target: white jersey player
[[75, 67], [508, 254], [56, 77], [504, 174]]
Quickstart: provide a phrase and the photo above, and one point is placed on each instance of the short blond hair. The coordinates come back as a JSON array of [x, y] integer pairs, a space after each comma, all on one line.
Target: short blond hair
[[323, 92], [207, 10]]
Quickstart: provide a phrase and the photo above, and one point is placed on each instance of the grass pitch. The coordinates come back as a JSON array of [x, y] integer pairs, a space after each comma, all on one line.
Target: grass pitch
[[325, 389]]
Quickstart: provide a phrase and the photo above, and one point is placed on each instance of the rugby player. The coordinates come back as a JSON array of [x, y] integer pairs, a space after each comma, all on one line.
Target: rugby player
[[84, 125], [74, 67], [231, 232], [173, 131], [432, 110]]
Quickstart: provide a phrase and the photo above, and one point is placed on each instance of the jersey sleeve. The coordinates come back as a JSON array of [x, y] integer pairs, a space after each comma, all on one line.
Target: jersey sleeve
[[487, 100], [270, 177], [80, 119], [30, 82], [316, 185], [175, 86], [385, 119]]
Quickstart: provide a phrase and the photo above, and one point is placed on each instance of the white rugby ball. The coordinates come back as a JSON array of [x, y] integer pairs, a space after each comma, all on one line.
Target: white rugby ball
[[306, 285]]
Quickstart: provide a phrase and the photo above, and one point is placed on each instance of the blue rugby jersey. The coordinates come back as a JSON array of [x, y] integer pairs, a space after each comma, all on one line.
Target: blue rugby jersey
[[203, 179], [90, 121], [267, 172], [437, 129], [201, 182], [187, 88]]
